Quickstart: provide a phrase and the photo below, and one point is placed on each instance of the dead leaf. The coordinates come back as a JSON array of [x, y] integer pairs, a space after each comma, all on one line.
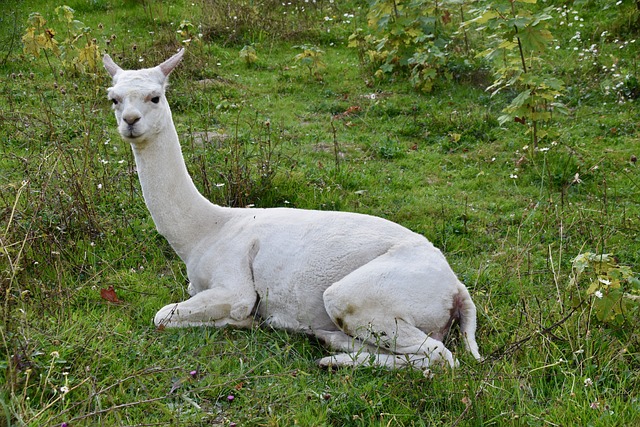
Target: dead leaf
[[109, 294], [446, 17]]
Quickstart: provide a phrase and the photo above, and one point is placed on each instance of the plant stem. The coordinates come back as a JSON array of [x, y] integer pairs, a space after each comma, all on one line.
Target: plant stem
[[513, 11], [336, 147], [435, 25], [464, 30]]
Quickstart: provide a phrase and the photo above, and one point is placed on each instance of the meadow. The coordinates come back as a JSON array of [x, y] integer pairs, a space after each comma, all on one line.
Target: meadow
[[507, 133]]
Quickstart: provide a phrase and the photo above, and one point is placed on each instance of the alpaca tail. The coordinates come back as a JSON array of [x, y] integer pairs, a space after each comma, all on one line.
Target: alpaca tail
[[467, 319]]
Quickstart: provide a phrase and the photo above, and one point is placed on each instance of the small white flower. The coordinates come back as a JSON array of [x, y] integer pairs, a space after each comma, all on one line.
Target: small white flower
[[576, 179], [588, 382], [64, 389], [598, 294], [513, 176]]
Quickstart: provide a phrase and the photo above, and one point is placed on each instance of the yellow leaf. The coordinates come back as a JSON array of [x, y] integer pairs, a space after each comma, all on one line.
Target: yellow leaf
[[486, 17], [594, 287], [30, 44], [414, 32], [89, 56], [615, 284], [507, 44], [65, 12]]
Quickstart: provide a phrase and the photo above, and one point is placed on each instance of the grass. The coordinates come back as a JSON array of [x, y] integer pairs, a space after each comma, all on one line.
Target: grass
[[510, 219]]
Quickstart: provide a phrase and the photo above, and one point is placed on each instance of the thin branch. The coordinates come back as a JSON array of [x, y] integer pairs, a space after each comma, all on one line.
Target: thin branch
[[116, 407], [508, 348]]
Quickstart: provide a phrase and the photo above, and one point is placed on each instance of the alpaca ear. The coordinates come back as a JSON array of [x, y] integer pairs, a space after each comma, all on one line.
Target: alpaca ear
[[167, 66], [110, 66]]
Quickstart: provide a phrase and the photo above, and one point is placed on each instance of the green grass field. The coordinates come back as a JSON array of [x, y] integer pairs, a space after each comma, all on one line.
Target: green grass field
[[264, 127]]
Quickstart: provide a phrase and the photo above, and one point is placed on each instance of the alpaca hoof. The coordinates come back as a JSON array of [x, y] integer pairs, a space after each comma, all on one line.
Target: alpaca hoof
[[164, 315]]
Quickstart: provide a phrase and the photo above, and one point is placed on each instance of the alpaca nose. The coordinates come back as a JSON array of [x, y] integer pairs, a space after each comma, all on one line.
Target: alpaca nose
[[131, 119]]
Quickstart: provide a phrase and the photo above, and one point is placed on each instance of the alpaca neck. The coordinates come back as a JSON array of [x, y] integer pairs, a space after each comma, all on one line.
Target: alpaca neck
[[181, 214]]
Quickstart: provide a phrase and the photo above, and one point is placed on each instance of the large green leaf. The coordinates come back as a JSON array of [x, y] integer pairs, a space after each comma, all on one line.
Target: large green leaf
[[534, 38]]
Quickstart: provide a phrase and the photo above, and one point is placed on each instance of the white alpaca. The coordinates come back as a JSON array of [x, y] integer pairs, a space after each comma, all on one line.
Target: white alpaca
[[365, 286]]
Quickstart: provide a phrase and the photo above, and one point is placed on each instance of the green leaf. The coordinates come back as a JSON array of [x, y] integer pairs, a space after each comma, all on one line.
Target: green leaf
[[36, 20], [486, 17], [386, 68], [534, 39], [520, 100], [605, 308]]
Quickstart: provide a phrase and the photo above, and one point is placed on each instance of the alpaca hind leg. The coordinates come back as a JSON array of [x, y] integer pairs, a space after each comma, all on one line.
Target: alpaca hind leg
[[360, 359], [339, 341], [381, 324], [403, 338], [398, 303], [358, 353], [394, 345], [212, 307]]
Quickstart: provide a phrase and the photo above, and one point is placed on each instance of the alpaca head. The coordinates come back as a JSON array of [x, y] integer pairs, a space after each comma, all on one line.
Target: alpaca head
[[138, 98]]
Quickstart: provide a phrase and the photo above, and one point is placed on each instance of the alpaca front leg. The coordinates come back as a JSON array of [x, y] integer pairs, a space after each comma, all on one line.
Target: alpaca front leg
[[212, 307]]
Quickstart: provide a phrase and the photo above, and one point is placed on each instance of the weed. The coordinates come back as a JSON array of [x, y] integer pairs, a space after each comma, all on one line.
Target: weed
[[311, 58], [519, 38], [77, 51], [615, 288], [249, 55]]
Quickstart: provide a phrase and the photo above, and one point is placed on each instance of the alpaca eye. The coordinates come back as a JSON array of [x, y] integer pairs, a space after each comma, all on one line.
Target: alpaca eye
[[115, 101], [155, 99]]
